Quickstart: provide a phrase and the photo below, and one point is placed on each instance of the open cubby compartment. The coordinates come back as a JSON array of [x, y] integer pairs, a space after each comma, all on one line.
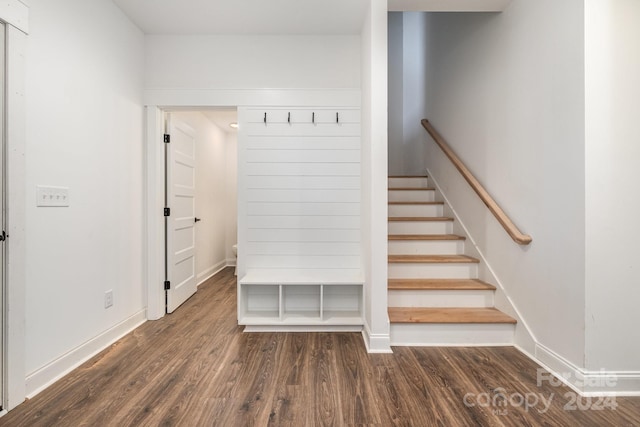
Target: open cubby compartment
[[342, 304], [301, 303], [260, 302]]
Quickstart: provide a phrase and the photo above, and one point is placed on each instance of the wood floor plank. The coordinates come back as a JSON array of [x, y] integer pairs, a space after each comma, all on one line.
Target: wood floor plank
[[196, 367]]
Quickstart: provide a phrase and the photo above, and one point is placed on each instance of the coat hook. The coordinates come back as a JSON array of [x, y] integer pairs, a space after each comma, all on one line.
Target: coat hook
[[265, 117], [289, 118]]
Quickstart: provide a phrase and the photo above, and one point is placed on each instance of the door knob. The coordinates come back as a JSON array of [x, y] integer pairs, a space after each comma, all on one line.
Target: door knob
[[196, 219]]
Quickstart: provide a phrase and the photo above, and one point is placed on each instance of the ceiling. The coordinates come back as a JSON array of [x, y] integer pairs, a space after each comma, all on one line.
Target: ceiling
[[222, 118], [275, 16], [246, 16]]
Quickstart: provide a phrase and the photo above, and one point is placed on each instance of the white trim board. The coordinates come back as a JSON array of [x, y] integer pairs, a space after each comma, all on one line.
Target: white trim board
[[52, 372], [302, 328], [15, 13], [252, 97], [376, 343], [15, 217], [584, 382], [448, 5]]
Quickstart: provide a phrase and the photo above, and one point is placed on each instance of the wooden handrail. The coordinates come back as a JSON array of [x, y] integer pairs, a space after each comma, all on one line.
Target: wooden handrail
[[496, 210]]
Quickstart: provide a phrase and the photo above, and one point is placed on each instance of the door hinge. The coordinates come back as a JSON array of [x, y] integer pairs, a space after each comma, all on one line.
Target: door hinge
[[167, 285], [167, 138], [167, 211]]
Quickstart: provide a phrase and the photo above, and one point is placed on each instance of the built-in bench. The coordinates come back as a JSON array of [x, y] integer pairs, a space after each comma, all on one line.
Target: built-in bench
[[300, 300]]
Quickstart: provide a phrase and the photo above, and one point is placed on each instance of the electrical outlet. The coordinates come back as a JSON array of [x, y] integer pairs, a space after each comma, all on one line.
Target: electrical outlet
[[108, 298]]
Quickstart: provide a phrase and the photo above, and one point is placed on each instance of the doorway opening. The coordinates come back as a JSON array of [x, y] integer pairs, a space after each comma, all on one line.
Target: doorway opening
[[200, 197]]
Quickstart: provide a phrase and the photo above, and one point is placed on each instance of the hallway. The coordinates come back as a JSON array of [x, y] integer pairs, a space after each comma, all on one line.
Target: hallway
[[196, 368]]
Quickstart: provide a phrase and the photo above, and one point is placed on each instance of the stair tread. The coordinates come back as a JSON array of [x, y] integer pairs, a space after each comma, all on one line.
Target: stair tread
[[420, 218], [418, 203], [448, 315], [411, 189], [426, 237], [439, 284], [407, 176], [446, 259]]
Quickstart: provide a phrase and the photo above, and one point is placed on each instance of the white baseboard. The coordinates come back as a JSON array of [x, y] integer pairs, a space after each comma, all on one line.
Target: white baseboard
[[211, 271], [376, 343], [302, 328], [58, 368], [585, 382]]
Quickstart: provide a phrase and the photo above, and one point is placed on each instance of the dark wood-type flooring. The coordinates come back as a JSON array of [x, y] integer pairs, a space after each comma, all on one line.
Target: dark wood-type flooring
[[196, 368]]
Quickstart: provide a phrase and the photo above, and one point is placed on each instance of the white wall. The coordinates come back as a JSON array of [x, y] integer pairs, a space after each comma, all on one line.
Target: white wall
[[507, 92], [407, 106], [84, 131], [215, 196], [395, 92], [258, 61], [231, 194], [612, 201]]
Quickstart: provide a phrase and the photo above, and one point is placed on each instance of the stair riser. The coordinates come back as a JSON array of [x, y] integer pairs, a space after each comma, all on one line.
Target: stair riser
[[408, 182], [425, 247], [415, 210], [464, 334], [420, 227], [432, 271], [411, 196], [448, 298]]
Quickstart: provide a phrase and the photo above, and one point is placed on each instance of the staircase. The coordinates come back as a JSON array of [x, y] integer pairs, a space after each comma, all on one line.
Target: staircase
[[434, 295]]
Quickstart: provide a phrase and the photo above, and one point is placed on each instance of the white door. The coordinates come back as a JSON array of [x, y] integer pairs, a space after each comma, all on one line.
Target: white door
[[180, 187]]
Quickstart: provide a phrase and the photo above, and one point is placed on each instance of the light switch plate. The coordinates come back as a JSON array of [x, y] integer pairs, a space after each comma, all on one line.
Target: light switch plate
[[52, 196]]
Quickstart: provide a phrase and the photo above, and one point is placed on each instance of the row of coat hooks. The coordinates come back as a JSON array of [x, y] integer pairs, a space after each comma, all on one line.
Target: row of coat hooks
[[313, 117]]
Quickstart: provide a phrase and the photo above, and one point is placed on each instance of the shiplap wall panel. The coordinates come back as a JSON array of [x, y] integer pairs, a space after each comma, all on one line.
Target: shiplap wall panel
[[308, 248], [325, 222], [304, 209], [305, 169], [302, 235], [301, 129], [302, 115], [288, 262], [302, 195], [302, 156], [302, 189], [303, 182], [305, 142]]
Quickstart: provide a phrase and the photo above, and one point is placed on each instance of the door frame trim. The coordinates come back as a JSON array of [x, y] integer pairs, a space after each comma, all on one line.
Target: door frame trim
[[157, 101], [15, 128]]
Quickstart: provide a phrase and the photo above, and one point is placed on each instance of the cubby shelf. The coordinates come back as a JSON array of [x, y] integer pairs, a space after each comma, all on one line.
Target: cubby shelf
[[292, 300]]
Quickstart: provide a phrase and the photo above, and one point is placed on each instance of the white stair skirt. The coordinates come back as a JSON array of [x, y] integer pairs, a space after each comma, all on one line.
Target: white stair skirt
[[416, 210], [432, 271], [425, 247], [440, 298], [445, 334]]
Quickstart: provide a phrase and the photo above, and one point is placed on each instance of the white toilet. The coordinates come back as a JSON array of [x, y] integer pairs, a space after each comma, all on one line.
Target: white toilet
[[235, 254]]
